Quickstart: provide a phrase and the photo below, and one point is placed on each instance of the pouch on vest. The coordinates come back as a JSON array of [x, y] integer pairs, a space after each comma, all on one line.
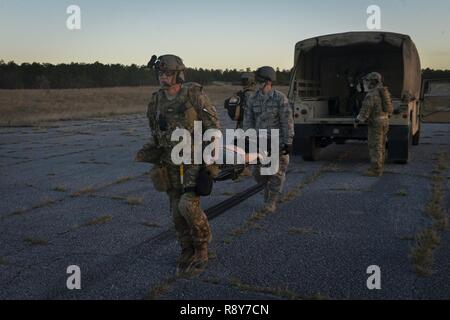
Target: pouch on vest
[[160, 178], [190, 114], [204, 183]]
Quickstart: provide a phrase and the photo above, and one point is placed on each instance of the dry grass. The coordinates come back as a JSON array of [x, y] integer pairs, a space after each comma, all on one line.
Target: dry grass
[[402, 193], [19, 107], [36, 242], [98, 221], [119, 198], [31, 107], [252, 221], [301, 231], [422, 254], [60, 189], [135, 201], [44, 203], [122, 180], [161, 289], [19, 211], [150, 225], [84, 191], [284, 293], [428, 240]]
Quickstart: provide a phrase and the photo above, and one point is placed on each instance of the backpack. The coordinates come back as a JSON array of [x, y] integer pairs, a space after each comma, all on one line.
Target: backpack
[[234, 106], [386, 100]]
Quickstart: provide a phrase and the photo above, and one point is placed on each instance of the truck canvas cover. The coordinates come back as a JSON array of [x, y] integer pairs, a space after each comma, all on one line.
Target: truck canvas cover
[[326, 59]]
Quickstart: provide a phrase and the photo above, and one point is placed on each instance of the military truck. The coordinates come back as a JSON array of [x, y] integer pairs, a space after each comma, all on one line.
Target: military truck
[[327, 90]]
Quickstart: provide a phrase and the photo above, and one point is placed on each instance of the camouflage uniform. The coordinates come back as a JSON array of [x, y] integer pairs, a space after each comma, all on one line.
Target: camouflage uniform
[[190, 105], [378, 127], [271, 111], [246, 93]]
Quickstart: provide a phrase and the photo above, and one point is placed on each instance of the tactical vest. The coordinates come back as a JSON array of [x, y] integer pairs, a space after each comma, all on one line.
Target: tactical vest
[[166, 115]]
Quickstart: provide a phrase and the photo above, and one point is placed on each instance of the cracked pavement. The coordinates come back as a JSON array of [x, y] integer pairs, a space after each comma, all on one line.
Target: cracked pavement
[[333, 224]]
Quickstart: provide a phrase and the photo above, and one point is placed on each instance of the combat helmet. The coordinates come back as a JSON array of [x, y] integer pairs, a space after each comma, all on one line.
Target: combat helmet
[[374, 76], [169, 62], [264, 74], [248, 79]]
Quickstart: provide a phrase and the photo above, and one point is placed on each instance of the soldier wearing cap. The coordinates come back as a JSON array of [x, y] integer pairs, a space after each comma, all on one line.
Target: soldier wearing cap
[[248, 89], [270, 109]]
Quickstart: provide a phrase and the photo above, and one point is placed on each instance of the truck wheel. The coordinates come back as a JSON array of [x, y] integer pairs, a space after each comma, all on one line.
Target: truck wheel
[[310, 149], [407, 148], [416, 137]]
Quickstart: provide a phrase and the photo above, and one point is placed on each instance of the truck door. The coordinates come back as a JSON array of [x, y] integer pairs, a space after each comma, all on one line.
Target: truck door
[[436, 101]]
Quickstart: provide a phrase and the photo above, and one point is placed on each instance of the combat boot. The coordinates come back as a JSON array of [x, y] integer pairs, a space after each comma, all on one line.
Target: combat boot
[[247, 172], [372, 171], [187, 253], [199, 260], [379, 170], [271, 203]]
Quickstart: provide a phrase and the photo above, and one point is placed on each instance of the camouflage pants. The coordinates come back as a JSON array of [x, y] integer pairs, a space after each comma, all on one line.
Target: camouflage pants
[[377, 142], [273, 184], [191, 223]]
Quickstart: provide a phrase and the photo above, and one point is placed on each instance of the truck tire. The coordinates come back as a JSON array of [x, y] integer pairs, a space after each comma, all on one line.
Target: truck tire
[[309, 149], [407, 145], [400, 141], [416, 137]]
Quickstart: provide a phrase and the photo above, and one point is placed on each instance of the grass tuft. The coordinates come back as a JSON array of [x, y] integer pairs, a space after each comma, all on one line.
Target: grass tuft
[[135, 201], [35, 241], [98, 221], [82, 192]]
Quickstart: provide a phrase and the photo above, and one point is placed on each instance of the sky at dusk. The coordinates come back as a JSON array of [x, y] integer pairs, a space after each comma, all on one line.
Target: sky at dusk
[[207, 34]]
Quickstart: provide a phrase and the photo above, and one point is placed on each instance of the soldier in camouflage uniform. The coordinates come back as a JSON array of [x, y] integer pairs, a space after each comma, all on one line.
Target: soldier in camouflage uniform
[[248, 89], [178, 105], [270, 109], [377, 118], [248, 83]]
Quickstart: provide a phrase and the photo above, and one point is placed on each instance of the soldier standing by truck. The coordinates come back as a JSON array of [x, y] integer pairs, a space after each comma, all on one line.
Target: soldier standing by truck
[[178, 105], [270, 109], [376, 109]]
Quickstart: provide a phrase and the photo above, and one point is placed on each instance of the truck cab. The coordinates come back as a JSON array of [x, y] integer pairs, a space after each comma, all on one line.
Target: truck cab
[[327, 90]]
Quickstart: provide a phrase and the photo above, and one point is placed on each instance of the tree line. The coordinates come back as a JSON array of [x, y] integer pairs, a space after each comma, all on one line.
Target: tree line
[[98, 75]]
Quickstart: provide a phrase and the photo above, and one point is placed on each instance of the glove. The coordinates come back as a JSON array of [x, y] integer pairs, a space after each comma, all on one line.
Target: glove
[[356, 122], [213, 171], [287, 149], [149, 153]]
